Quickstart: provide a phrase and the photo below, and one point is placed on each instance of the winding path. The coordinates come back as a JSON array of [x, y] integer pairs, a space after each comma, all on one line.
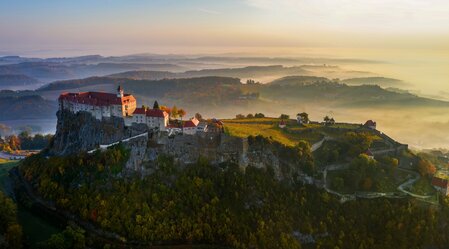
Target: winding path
[[320, 143], [105, 146], [371, 195]]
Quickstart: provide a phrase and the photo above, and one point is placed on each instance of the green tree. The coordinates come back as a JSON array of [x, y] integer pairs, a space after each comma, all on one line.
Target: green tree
[[304, 117], [156, 105]]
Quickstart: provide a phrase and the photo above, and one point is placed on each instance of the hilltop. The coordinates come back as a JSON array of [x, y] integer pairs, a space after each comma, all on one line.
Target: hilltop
[[315, 90], [381, 81], [28, 106], [52, 70], [236, 181]]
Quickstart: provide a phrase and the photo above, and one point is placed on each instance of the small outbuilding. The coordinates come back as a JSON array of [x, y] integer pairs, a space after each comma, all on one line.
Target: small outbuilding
[[282, 124], [441, 184], [370, 124]]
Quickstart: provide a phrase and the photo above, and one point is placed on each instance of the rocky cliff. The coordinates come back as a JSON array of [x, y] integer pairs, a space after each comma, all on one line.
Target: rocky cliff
[[82, 132]]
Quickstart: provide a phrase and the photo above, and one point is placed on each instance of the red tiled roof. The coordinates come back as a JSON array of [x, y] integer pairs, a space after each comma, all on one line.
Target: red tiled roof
[[370, 123], [439, 182], [139, 111], [191, 123], [217, 121], [156, 113], [97, 98], [151, 112]]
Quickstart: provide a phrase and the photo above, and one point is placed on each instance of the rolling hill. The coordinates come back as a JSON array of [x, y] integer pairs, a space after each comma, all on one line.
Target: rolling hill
[[11, 80], [381, 81], [51, 71], [26, 107]]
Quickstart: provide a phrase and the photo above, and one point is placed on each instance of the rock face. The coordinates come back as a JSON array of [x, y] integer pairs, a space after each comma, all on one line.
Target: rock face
[[215, 147], [82, 132]]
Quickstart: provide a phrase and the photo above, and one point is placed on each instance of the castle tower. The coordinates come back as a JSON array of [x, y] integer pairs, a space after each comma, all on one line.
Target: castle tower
[[120, 91]]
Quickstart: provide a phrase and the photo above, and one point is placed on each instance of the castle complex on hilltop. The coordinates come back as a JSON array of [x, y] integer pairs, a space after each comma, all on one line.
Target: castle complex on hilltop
[[121, 105]]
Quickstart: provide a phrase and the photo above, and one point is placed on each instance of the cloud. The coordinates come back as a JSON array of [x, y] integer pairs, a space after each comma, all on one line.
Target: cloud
[[208, 11], [385, 14]]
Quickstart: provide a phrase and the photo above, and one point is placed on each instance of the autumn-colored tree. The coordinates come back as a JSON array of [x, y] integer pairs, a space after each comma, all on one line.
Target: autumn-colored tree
[[367, 184], [426, 168], [181, 113], [166, 109], [198, 116], [174, 112], [14, 142]]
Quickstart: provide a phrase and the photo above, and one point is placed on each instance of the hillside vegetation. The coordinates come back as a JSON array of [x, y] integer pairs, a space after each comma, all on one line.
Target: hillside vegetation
[[11, 80], [225, 206], [381, 81], [16, 106]]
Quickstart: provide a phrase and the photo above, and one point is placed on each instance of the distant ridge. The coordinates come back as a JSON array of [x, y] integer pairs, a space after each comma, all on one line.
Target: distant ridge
[[381, 81], [298, 80]]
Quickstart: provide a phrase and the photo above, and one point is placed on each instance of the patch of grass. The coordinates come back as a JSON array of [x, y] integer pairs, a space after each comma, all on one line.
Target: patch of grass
[[268, 127], [292, 133]]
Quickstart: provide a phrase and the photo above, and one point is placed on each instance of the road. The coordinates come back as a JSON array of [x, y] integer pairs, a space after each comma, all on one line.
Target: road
[[105, 146], [410, 182], [371, 195]]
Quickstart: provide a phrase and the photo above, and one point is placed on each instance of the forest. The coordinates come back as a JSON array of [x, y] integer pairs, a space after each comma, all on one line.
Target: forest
[[10, 229], [227, 206], [24, 141]]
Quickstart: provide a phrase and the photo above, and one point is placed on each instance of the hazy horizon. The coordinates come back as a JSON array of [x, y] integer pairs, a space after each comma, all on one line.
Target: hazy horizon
[[411, 36]]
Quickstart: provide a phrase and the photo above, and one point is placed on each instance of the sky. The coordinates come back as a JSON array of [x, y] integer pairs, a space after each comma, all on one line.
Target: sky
[[28, 25], [396, 30]]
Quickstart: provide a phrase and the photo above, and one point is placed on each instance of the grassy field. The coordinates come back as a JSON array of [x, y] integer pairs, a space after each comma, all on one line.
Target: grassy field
[[268, 127], [291, 134]]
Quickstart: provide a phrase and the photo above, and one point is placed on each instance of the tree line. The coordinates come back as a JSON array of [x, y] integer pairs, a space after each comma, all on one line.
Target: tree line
[[225, 205]]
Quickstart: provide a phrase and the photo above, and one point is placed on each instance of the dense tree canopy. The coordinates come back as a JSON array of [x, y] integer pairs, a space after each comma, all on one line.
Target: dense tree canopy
[[10, 229], [226, 205]]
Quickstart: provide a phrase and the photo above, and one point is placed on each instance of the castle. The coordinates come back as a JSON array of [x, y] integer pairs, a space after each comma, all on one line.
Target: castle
[[106, 105]]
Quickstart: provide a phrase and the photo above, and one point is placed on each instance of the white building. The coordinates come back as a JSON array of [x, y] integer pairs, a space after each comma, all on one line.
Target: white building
[[370, 124], [153, 118], [190, 127], [105, 105], [441, 184], [100, 105]]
